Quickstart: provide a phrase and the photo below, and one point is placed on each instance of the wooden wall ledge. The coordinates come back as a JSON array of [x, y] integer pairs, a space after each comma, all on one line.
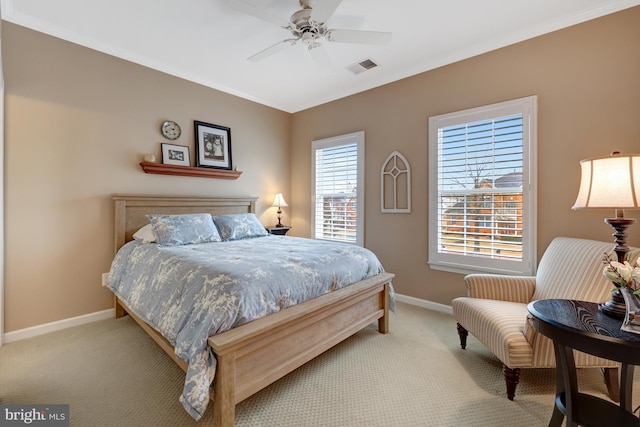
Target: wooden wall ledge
[[162, 169]]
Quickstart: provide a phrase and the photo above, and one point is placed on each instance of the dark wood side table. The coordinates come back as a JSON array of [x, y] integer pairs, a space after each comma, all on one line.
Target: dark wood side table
[[581, 326], [281, 231]]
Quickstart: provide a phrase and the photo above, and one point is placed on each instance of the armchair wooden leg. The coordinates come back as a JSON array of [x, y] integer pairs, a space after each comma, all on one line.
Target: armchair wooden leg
[[511, 378], [612, 382], [463, 333]]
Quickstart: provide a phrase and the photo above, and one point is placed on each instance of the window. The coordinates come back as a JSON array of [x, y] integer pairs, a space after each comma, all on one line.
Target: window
[[338, 188], [482, 197]]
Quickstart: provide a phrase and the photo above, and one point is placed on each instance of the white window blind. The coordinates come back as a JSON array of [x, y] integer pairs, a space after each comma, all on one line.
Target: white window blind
[[337, 188], [481, 215]]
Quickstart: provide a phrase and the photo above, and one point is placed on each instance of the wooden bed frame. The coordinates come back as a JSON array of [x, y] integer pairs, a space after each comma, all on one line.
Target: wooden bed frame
[[254, 355]]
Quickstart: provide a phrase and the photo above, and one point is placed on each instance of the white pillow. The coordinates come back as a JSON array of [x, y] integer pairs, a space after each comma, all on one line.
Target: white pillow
[[146, 234]]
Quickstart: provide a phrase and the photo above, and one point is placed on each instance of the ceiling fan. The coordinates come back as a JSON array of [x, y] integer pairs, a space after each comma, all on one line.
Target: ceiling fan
[[309, 25]]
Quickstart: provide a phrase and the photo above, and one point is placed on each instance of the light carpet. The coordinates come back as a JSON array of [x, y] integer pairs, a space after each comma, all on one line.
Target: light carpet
[[112, 374]]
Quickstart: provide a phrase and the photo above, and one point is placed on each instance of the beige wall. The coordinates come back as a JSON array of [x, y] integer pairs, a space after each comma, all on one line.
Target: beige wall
[[78, 123], [587, 79]]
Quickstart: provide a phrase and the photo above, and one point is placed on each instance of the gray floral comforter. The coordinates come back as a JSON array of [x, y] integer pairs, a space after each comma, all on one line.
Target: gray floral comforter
[[191, 292]]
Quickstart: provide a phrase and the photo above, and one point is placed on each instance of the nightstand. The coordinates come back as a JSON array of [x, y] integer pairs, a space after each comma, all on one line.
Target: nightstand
[[281, 231]]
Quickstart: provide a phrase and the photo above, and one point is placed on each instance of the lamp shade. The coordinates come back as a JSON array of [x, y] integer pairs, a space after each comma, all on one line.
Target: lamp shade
[[278, 201], [611, 182]]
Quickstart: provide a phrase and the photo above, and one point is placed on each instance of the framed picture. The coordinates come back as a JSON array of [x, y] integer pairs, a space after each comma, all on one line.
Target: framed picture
[[175, 154], [213, 146]]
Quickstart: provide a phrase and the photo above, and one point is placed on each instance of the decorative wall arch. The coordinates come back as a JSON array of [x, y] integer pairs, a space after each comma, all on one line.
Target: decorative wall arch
[[395, 184]]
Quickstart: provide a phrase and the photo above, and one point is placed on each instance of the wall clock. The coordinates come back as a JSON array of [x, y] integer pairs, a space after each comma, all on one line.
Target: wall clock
[[170, 130]]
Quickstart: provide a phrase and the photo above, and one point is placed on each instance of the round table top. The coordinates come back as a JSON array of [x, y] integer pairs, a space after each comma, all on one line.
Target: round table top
[[580, 325]]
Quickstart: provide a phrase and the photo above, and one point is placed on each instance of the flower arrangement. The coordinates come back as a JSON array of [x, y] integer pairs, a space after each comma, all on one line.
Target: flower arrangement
[[626, 278], [623, 275]]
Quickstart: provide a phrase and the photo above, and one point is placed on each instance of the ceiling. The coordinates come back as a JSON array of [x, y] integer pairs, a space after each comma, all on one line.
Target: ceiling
[[209, 41]]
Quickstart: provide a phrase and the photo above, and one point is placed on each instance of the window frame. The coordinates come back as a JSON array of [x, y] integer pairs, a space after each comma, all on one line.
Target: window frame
[[336, 141], [466, 264]]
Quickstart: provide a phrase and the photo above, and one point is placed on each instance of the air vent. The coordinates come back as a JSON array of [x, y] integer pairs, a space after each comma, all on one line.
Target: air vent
[[362, 66]]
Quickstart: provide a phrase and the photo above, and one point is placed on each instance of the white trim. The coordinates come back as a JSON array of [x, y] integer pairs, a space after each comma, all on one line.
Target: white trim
[[429, 305], [460, 263], [59, 325]]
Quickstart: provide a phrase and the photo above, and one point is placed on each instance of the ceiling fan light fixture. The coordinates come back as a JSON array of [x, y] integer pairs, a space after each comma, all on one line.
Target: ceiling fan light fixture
[[308, 39], [319, 55], [309, 25]]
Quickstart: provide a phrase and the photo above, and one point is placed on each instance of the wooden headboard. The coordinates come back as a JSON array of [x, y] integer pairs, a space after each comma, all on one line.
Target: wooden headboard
[[131, 210]]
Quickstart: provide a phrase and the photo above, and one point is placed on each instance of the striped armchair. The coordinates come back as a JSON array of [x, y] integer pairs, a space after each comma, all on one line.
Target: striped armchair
[[495, 310]]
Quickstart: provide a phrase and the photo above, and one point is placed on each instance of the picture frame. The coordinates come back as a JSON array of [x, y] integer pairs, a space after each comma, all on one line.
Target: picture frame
[[173, 154], [213, 146]]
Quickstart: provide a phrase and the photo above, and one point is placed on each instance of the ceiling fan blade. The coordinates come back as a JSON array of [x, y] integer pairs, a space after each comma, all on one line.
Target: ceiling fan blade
[[272, 50], [257, 12], [319, 55], [324, 9], [356, 36]]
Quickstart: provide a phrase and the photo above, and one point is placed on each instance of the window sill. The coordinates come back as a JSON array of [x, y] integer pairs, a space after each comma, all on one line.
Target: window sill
[[467, 269]]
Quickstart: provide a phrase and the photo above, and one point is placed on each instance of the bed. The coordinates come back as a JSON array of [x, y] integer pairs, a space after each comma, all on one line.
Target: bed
[[252, 356]]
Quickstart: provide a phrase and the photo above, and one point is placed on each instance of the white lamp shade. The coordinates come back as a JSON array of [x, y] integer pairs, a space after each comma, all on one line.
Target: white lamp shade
[[278, 201], [610, 182]]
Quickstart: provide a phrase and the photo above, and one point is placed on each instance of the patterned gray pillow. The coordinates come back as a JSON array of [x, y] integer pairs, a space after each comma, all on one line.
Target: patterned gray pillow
[[239, 226], [173, 230]]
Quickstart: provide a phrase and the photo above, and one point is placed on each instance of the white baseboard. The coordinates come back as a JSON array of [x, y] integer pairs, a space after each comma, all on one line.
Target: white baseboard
[[430, 305], [34, 331]]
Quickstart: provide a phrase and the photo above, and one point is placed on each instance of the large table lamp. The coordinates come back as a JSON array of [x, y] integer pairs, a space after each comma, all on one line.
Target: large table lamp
[[612, 182], [279, 202]]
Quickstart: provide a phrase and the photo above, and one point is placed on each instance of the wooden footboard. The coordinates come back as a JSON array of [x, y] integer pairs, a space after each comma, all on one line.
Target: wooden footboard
[[257, 354]]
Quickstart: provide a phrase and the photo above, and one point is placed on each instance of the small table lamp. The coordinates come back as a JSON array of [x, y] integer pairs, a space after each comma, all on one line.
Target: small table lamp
[[279, 202], [612, 182]]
